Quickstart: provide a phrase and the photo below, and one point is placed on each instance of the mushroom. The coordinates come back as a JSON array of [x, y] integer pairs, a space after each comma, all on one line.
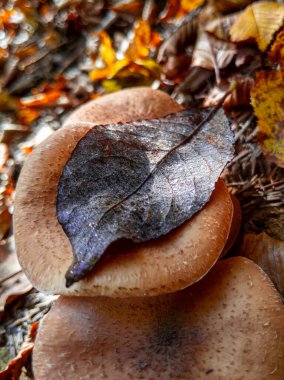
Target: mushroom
[[268, 253], [227, 326], [235, 225], [163, 265]]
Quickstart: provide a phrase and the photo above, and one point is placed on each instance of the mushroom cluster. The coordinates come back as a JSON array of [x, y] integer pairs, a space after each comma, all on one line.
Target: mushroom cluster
[[147, 310]]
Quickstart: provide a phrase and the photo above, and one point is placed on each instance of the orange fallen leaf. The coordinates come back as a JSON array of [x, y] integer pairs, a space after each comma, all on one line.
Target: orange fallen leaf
[[139, 46], [258, 21], [267, 99], [14, 368], [27, 115]]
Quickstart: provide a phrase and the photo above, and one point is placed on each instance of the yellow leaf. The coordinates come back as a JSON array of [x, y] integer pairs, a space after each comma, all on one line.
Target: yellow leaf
[[139, 47], [267, 99], [258, 21], [190, 5], [106, 50]]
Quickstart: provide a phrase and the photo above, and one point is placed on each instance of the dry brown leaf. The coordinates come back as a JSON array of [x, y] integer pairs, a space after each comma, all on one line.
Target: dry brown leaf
[[210, 52], [258, 21], [4, 154], [226, 6], [267, 99], [240, 95], [13, 288], [220, 27], [268, 253], [14, 368], [13, 283]]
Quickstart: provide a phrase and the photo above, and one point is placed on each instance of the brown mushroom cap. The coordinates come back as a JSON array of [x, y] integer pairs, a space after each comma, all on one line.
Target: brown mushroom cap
[[227, 326], [235, 225], [160, 266], [268, 253]]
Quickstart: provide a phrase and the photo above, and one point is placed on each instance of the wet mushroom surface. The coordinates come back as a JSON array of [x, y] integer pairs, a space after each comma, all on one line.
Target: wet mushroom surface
[[227, 326]]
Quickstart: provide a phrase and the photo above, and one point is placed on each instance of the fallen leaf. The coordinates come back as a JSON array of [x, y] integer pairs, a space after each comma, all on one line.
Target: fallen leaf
[[268, 253], [13, 288], [4, 154], [177, 42], [13, 282], [210, 52], [241, 94], [106, 50], [139, 180], [220, 27], [139, 46], [171, 10], [226, 6], [258, 21], [276, 53], [133, 7], [267, 99], [190, 5], [14, 368]]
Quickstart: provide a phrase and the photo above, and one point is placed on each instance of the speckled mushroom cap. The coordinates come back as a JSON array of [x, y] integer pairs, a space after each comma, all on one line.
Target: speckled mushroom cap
[[163, 265], [227, 326]]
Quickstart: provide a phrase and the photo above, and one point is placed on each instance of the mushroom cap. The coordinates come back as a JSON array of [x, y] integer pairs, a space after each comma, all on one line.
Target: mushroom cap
[[162, 265], [235, 225], [227, 326], [268, 253]]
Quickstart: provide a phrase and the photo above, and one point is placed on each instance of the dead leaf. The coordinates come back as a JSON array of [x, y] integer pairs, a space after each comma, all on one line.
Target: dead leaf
[[13, 288], [227, 6], [267, 99], [106, 50], [268, 253], [4, 154], [171, 9], [241, 94], [14, 368], [276, 53], [190, 5], [220, 27], [139, 46], [147, 178], [177, 42], [13, 283], [258, 21], [210, 52]]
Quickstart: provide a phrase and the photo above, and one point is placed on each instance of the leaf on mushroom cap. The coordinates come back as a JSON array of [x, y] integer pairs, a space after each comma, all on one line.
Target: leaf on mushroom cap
[[161, 265], [139, 180], [227, 326]]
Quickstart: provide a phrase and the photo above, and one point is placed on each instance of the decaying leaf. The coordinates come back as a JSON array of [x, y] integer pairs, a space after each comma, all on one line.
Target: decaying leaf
[[220, 27], [258, 21], [13, 283], [240, 95], [276, 53], [139, 181], [210, 53], [268, 253], [13, 288], [226, 6], [14, 368], [267, 99]]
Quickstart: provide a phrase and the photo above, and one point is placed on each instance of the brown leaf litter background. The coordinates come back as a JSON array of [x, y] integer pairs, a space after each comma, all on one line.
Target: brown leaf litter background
[[58, 54]]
